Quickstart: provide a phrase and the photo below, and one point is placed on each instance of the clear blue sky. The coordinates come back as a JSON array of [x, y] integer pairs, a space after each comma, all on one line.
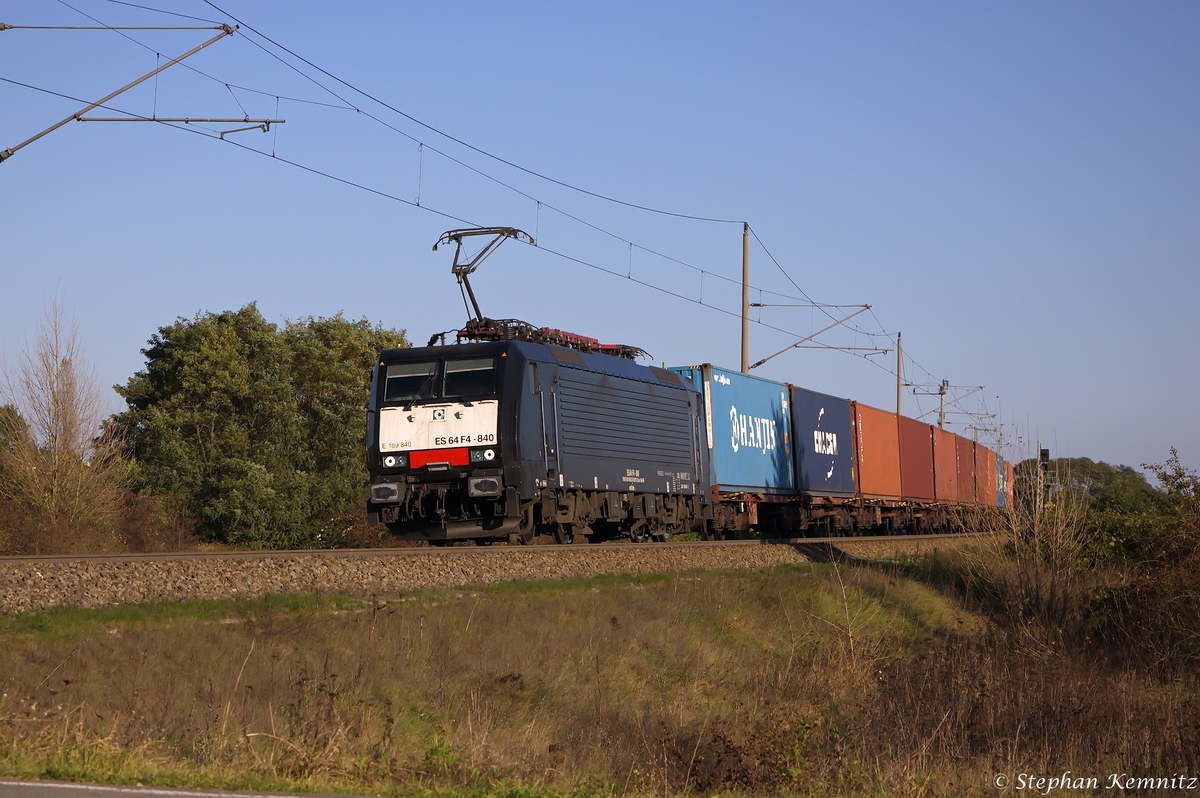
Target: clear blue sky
[[1014, 186]]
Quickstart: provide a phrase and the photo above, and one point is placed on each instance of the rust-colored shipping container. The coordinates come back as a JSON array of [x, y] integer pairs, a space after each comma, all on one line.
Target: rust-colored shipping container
[[966, 469], [877, 444], [916, 460], [993, 497], [985, 476], [1008, 487], [945, 466]]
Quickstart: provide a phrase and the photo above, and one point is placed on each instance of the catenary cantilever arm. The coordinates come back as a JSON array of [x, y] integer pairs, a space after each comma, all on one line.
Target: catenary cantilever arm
[[226, 30], [796, 345]]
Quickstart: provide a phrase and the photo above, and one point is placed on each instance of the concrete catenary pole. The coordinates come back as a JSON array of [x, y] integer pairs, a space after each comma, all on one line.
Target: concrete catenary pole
[[745, 297]]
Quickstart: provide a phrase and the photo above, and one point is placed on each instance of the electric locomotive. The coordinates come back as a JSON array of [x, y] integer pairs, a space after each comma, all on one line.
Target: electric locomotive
[[511, 438]]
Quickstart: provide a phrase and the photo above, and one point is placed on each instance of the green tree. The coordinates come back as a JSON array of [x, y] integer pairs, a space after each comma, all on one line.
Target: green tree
[[1182, 501], [331, 361], [1182, 485], [1104, 487], [1121, 512], [257, 430]]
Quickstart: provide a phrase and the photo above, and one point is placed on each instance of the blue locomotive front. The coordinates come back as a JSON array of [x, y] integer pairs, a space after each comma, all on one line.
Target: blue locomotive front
[[510, 439]]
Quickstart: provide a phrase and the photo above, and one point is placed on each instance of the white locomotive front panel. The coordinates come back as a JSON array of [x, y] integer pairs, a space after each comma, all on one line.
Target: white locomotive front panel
[[438, 426]]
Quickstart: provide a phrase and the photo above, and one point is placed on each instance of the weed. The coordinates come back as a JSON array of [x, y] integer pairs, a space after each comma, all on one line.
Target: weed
[[803, 680]]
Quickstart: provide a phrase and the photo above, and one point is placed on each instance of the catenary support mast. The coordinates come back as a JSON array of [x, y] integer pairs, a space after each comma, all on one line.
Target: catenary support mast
[[745, 297]]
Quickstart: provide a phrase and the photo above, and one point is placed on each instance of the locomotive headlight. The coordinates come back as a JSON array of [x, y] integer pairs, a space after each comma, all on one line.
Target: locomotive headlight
[[395, 461], [483, 455]]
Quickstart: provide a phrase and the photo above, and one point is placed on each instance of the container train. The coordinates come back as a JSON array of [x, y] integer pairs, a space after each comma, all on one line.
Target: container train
[[543, 432]]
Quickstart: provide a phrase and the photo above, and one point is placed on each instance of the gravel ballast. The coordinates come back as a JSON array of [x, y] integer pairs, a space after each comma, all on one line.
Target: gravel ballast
[[33, 585]]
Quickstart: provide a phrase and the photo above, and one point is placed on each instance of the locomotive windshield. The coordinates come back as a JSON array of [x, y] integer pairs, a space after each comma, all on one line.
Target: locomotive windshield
[[408, 381], [471, 377], [464, 378]]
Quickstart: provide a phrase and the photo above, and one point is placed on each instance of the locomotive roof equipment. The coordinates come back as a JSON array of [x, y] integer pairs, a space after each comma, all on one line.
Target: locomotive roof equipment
[[481, 328], [462, 270]]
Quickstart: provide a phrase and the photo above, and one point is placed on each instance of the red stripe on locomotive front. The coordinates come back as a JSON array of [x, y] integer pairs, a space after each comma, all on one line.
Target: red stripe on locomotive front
[[454, 457]]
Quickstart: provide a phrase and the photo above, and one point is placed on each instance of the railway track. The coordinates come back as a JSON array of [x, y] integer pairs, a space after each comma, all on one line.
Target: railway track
[[916, 541], [31, 584]]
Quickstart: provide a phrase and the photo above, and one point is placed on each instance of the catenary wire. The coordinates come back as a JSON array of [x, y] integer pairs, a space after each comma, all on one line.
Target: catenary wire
[[209, 135], [479, 172], [487, 154], [465, 144], [348, 106], [345, 104], [161, 11]]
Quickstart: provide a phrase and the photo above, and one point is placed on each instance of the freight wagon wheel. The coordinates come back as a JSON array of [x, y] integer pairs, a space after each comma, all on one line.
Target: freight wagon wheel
[[564, 534], [637, 533]]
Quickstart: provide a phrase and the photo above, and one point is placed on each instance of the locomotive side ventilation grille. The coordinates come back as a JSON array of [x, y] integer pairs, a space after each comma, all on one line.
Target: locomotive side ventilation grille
[[603, 420]]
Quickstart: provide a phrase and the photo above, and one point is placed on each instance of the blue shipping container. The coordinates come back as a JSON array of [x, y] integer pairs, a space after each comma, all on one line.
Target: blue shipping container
[[749, 430], [1001, 482], [824, 443]]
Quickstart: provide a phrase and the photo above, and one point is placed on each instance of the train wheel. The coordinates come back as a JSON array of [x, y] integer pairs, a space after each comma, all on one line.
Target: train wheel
[[527, 530], [564, 534], [638, 532]]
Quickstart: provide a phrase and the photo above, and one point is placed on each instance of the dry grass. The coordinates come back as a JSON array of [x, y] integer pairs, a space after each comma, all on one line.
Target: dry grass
[[815, 680]]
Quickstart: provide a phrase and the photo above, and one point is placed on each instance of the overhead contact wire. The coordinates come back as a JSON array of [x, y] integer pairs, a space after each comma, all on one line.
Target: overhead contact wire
[[160, 11], [471, 147], [347, 105]]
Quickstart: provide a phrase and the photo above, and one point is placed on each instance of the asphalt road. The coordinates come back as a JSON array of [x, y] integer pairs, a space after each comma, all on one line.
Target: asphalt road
[[54, 789]]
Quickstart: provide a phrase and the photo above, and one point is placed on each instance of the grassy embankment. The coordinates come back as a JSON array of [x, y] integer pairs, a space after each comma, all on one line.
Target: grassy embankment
[[821, 679]]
